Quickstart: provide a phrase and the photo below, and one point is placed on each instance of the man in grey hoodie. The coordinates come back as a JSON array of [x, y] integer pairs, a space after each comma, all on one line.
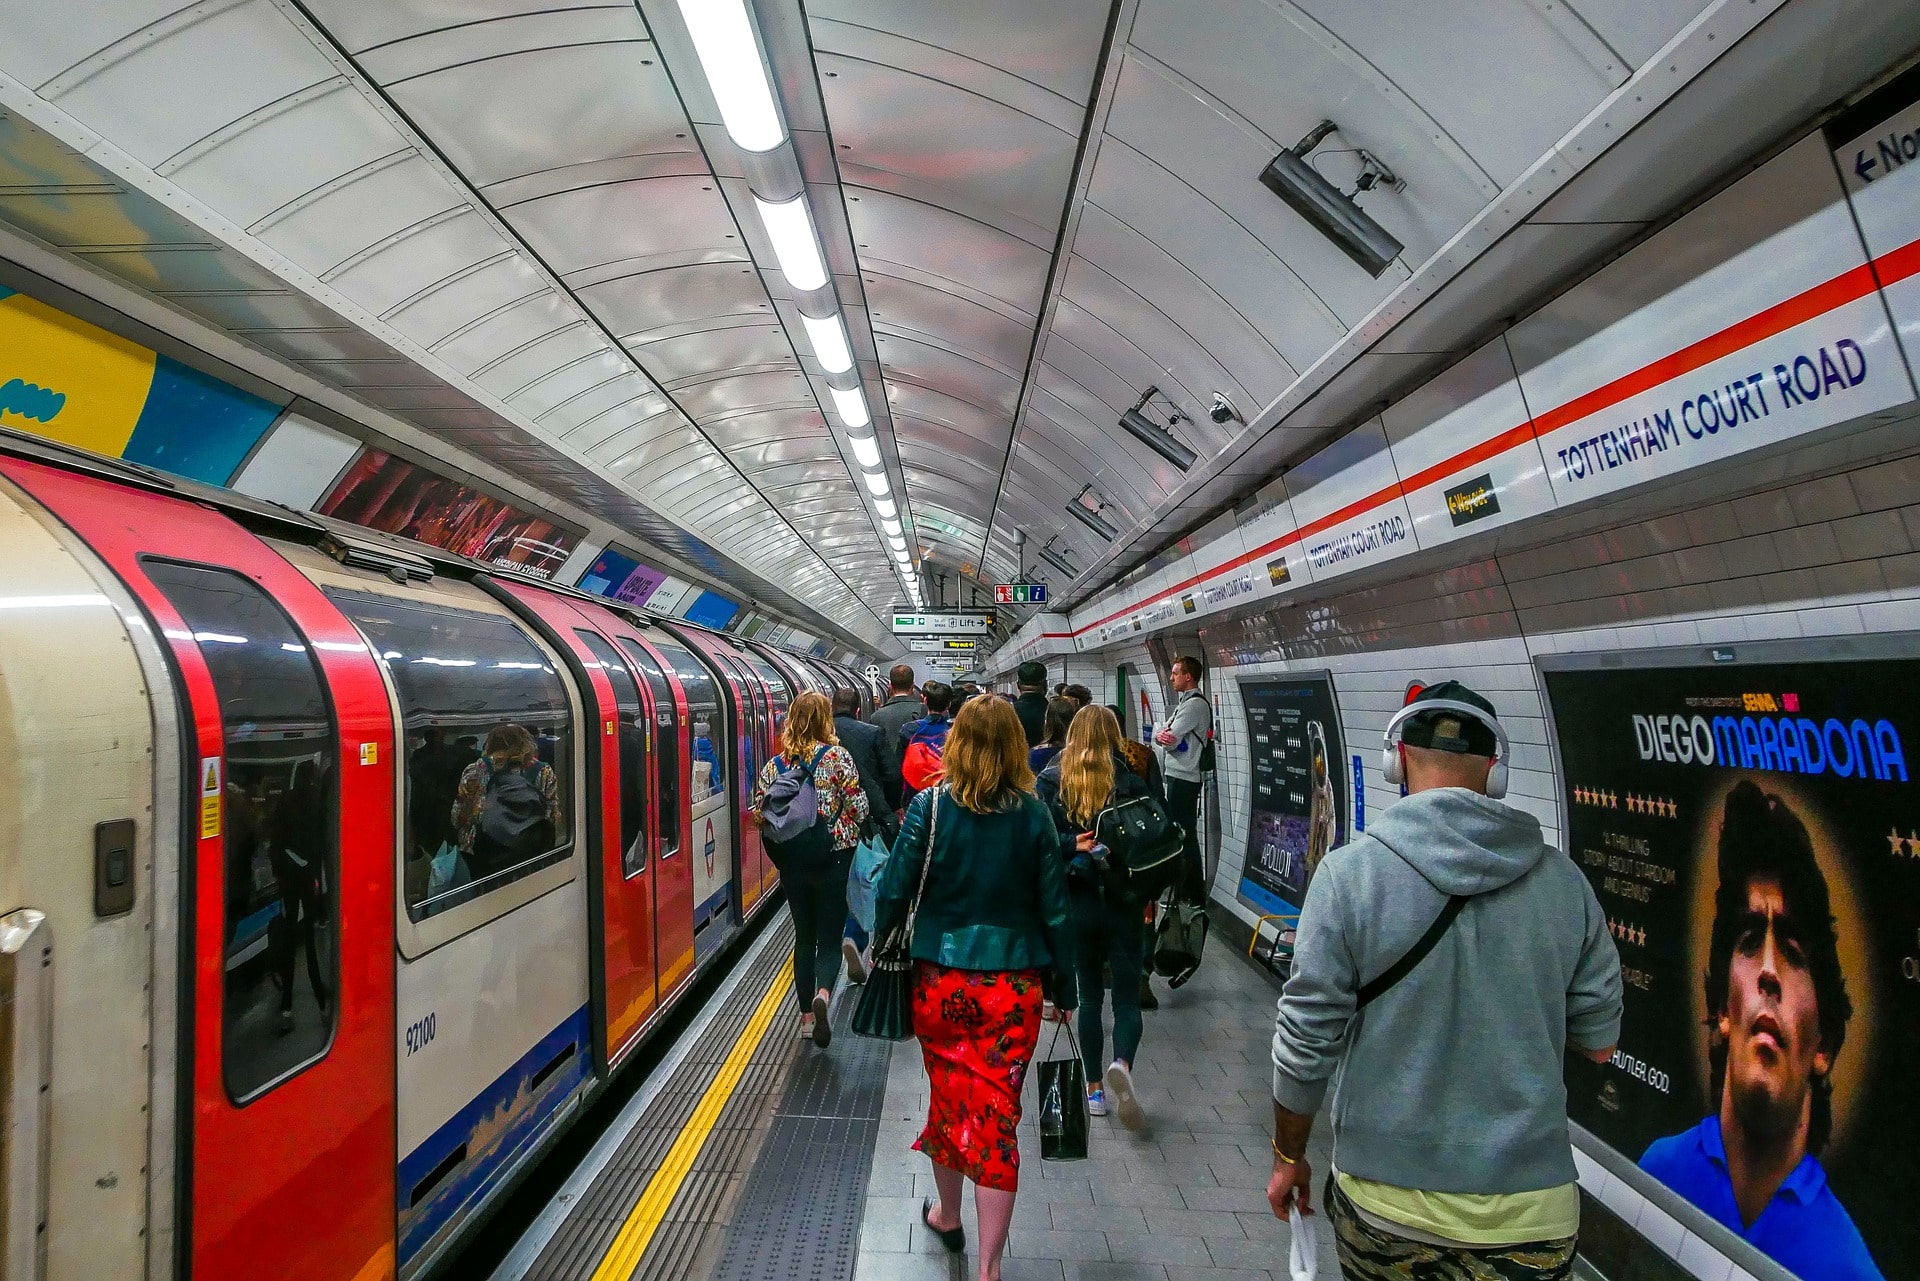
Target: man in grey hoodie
[[1451, 1147]]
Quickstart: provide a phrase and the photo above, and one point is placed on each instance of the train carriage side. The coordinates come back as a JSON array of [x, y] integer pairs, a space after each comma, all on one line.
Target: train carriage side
[[273, 1103]]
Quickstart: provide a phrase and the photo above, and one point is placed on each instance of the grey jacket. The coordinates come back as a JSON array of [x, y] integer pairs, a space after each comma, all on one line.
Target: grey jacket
[[1452, 1080], [1191, 720], [890, 718]]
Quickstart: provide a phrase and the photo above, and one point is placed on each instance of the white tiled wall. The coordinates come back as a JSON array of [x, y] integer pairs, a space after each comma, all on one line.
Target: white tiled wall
[[1817, 555]]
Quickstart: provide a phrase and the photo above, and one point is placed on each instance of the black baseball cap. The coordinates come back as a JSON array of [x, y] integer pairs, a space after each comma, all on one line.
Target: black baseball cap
[[1445, 730]]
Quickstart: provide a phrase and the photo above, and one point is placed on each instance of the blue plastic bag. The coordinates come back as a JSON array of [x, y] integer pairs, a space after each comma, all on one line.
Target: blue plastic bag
[[863, 881]]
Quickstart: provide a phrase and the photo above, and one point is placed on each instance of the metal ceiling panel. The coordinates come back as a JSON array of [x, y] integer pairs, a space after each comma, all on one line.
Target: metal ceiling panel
[[912, 360], [447, 308], [383, 278], [756, 345], [633, 306], [641, 224], [725, 398], [949, 246], [909, 307], [364, 207], [627, 389], [515, 327]]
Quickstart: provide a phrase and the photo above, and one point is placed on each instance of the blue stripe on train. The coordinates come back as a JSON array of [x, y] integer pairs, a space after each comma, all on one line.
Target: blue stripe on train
[[495, 1127]]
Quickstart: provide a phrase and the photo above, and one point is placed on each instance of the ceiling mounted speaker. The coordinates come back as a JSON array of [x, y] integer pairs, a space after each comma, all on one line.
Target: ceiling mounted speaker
[[1160, 440], [1333, 212]]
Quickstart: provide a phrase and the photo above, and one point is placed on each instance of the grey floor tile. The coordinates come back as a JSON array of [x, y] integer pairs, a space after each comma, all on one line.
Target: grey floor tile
[[1167, 1194], [1030, 1269], [1248, 1200], [1191, 1223], [1098, 1218], [910, 1267], [1087, 1271], [1157, 1249], [884, 1238], [1058, 1245], [1182, 1273], [1243, 1253]]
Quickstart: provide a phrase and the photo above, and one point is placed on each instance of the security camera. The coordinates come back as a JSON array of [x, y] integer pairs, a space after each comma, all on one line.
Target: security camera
[[1222, 410]]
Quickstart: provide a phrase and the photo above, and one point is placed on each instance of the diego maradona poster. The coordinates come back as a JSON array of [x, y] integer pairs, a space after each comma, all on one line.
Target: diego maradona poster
[[1753, 835]]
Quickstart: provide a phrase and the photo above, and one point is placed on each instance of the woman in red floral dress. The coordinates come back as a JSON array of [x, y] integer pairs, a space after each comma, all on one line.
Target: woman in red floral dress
[[991, 939]]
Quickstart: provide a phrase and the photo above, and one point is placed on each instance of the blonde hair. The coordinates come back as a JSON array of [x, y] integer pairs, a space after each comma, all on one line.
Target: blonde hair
[[512, 742], [1086, 763], [985, 760], [808, 727]]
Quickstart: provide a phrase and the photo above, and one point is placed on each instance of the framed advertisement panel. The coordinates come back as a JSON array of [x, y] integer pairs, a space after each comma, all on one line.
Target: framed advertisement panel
[[1747, 821], [1296, 789]]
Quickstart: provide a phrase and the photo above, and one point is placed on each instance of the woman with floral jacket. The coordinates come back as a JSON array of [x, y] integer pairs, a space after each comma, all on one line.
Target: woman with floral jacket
[[817, 895]]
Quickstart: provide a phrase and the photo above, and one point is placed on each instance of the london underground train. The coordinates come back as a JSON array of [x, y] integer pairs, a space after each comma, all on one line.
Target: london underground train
[[280, 997]]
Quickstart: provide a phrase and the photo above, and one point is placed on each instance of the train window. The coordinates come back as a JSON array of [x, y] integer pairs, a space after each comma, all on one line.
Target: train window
[[708, 770], [489, 755], [276, 778], [666, 760], [635, 734]]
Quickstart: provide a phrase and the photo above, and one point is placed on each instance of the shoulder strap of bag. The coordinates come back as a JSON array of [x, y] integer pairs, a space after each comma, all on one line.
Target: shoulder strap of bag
[[1374, 990], [926, 863]]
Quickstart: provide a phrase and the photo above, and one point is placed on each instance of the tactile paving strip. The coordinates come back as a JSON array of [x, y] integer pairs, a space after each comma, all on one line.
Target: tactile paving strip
[[799, 1213], [584, 1236]]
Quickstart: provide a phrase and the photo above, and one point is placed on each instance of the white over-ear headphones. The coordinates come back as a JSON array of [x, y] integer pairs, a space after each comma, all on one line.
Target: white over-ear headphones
[[1390, 768]]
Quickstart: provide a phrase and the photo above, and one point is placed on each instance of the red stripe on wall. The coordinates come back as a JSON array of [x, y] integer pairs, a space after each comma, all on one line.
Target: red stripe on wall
[[1830, 295]]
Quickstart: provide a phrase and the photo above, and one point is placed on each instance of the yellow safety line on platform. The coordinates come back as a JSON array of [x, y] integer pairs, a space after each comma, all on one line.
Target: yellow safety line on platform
[[623, 1256]]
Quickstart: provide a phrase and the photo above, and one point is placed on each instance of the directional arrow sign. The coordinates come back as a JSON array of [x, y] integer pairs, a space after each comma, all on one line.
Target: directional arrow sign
[[1888, 146]]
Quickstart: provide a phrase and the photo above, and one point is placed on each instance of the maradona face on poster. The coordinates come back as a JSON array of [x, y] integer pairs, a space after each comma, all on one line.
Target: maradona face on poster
[[1754, 840]]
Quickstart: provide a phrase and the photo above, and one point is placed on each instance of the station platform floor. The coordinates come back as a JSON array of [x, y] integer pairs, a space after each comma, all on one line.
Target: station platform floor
[[751, 1155]]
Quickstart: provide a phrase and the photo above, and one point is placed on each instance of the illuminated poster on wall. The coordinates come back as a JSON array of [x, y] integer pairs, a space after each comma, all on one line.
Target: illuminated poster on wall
[[1753, 838], [391, 494], [621, 577], [1296, 794], [710, 609], [73, 382]]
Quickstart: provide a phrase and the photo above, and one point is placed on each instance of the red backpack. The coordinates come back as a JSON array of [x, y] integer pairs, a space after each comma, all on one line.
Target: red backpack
[[926, 742]]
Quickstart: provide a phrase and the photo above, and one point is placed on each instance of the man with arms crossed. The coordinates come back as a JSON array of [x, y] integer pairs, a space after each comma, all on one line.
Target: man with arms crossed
[[1180, 738], [1451, 1149]]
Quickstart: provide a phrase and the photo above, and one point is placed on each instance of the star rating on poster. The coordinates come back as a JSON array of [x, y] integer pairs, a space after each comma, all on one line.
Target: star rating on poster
[[1634, 803], [1625, 933], [1907, 846]]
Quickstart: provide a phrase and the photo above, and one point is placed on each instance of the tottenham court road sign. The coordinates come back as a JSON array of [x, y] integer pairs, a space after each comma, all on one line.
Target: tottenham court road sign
[[941, 624]]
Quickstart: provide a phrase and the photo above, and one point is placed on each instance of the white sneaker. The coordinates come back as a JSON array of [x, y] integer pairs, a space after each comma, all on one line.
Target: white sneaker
[[1120, 1085], [1096, 1101], [856, 964]]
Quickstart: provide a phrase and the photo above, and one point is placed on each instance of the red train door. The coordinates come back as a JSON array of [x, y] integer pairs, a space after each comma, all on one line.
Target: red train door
[[621, 900], [287, 892], [753, 724], [672, 836]]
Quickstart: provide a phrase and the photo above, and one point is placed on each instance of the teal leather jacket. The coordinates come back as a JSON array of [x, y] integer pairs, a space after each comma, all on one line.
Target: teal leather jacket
[[996, 896]]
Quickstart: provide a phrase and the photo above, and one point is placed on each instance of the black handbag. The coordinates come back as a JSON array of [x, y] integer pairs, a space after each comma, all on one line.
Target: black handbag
[[1063, 1102], [885, 1011]]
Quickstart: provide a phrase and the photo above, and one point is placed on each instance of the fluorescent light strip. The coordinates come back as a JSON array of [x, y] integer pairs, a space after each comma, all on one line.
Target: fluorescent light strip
[[886, 508], [876, 483], [890, 526], [829, 339], [730, 56], [851, 405], [790, 228], [866, 449]]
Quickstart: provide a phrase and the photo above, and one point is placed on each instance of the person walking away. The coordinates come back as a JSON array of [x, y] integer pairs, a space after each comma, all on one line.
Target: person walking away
[[873, 765], [924, 740], [1180, 738], [1059, 715], [815, 874], [991, 940], [1453, 931], [1080, 694], [1031, 703], [1089, 775], [903, 706]]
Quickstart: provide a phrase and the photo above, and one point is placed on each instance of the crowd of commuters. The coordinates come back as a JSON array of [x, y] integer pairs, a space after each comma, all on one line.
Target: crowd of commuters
[[1450, 911]]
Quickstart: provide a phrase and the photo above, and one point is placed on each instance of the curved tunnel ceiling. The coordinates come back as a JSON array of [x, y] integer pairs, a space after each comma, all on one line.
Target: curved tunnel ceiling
[[1032, 212]]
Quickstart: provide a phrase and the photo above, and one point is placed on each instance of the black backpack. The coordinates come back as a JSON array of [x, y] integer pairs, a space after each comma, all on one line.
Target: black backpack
[[1143, 845], [513, 817], [1207, 761]]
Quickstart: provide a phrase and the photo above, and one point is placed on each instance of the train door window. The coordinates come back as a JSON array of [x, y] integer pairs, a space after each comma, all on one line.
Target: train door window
[[275, 782], [666, 760], [752, 735], [489, 760], [707, 770], [634, 737]]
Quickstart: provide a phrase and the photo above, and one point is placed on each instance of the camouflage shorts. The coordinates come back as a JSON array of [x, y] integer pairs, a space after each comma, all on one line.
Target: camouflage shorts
[[1369, 1254]]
